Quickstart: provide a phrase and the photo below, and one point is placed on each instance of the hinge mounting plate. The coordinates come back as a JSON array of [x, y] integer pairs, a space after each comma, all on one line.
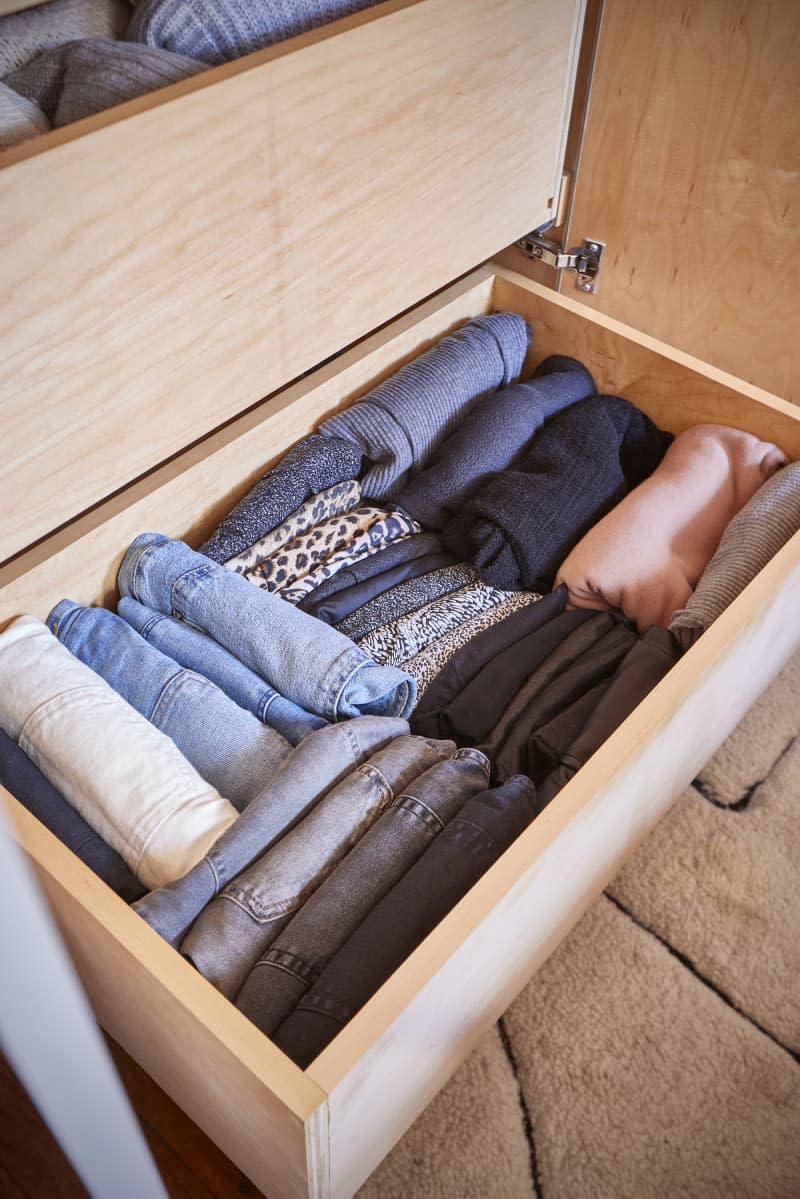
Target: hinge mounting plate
[[584, 259]]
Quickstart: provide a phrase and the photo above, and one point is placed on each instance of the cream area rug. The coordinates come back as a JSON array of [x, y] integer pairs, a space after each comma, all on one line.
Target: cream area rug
[[656, 1055]]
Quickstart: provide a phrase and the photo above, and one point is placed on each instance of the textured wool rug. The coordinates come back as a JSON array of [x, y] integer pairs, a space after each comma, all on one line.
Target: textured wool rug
[[657, 1053]]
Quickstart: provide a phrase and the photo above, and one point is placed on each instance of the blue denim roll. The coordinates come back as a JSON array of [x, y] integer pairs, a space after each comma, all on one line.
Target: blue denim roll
[[228, 746], [307, 661], [196, 651]]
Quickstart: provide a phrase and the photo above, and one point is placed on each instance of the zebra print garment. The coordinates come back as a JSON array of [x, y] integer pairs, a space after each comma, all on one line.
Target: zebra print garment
[[406, 597], [404, 638], [426, 665]]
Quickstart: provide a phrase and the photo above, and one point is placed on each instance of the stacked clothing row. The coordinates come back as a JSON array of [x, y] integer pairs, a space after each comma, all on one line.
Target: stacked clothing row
[[68, 59], [296, 749]]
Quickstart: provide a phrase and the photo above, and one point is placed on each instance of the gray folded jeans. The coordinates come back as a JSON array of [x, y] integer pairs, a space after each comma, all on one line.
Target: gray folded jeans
[[280, 979], [250, 911], [318, 763]]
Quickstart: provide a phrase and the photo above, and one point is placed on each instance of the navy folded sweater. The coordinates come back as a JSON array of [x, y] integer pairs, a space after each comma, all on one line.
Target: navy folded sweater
[[490, 436], [519, 525]]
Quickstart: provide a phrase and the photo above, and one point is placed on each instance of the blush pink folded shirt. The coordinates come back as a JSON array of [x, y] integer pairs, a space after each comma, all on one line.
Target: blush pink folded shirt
[[645, 557]]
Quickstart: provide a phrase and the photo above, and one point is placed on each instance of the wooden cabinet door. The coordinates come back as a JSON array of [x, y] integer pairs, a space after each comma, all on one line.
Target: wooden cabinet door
[[690, 172]]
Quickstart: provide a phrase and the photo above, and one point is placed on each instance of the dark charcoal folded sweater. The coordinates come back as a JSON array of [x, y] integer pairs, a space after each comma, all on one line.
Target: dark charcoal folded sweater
[[520, 524], [490, 437]]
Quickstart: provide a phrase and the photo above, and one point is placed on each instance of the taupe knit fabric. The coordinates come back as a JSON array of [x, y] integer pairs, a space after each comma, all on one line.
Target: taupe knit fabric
[[20, 118], [25, 34], [755, 745], [79, 79], [754, 536], [742, 932]]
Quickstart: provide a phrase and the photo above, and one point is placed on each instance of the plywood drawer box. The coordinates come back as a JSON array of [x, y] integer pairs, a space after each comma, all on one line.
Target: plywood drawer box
[[321, 1131]]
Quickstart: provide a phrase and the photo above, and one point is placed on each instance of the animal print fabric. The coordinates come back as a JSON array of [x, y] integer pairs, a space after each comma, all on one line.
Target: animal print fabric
[[308, 550], [406, 597], [380, 532], [427, 664], [342, 497], [404, 638]]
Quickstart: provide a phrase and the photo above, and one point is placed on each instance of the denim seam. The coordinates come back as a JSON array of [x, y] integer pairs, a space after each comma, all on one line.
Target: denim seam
[[470, 753], [202, 569], [144, 552], [332, 695], [286, 970], [465, 822], [150, 623], [284, 959], [173, 684], [264, 917], [169, 815], [416, 800], [54, 702], [264, 707], [62, 626]]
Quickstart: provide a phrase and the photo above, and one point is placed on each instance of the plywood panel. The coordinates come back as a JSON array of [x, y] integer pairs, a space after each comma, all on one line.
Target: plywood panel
[[167, 264], [691, 173], [674, 388], [188, 496]]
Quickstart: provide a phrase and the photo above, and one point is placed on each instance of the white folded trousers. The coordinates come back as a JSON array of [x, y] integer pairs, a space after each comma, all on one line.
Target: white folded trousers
[[126, 778]]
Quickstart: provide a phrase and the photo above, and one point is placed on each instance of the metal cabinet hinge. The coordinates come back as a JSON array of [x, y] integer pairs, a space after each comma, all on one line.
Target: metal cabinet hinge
[[584, 259]]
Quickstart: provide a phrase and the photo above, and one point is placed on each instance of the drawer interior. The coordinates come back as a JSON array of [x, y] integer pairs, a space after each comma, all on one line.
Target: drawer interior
[[322, 1131]]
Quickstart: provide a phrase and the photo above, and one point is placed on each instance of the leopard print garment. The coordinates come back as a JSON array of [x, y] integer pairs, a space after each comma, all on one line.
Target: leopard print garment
[[392, 643], [316, 545], [392, 526], [427, 664], [342, 497]]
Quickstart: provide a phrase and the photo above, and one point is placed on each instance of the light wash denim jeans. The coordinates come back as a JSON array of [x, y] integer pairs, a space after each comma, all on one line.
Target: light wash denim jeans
[[200, 653], [127, 779], [232, 750], [297, 956], [302, 658], [318, 763], [245, 918]]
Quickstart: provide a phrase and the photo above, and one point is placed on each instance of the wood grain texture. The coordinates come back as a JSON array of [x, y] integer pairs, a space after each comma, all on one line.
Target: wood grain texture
[[188, 496], [168, 263], [191, 1165], [691, 173], [436, 1007], [233, 1082], [673, 387]]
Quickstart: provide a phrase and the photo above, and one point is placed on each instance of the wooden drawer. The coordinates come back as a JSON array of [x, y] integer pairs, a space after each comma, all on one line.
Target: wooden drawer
[[169, 263], [321, 1131]]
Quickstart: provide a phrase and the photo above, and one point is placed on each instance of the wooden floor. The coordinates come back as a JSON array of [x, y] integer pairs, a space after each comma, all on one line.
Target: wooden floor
[[32, 1165]]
